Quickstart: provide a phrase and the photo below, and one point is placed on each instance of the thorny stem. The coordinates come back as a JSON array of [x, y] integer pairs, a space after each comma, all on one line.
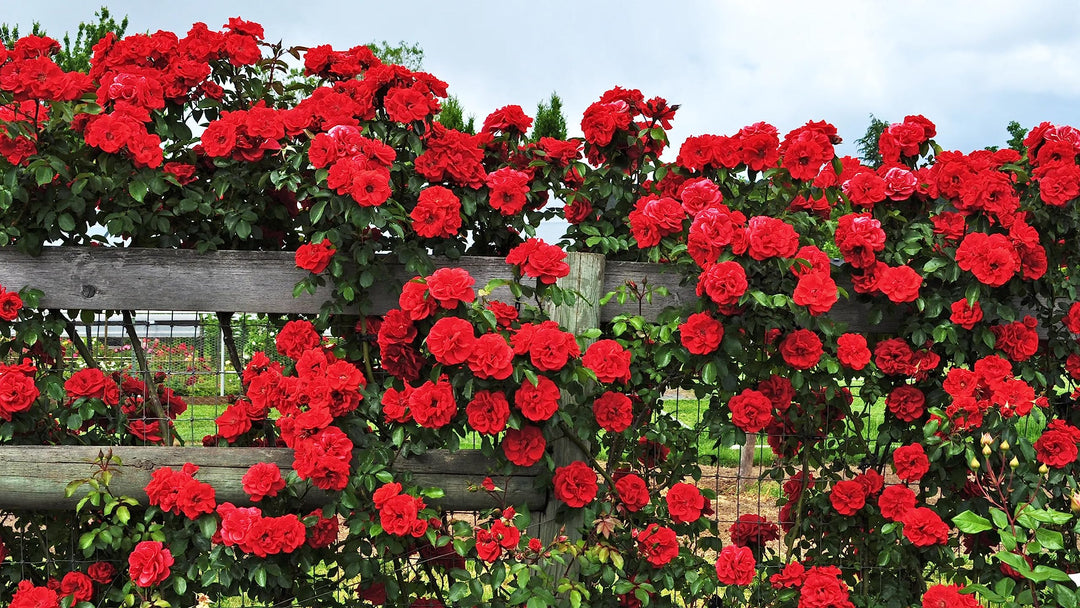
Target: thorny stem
[[144, 371], [225, 325], [76, 339], [790, 541]]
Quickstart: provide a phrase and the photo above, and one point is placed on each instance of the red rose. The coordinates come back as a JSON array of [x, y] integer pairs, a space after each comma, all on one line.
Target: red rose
[[549, 347], [324, 532], [488, 412], [491, 357], [608, 360], [450, 287], [769, 237], [17, 391], [899, 283], [575, 484], [824, 585], [852, 351], [894, 357], [1056, 448], [296, 337], [102, 572], [315, 257], [508, 190], [415, 300], [723, 282], [895, 501], [29, 596], [1019, 340], [752, 530], [613, 411], [990, 257], [906, 402], [632, 491], [398, 515], [658, 543], [88, 382], [685, 503], [923, 527], [539, 260], [78, 586], [779, 390], [736, 565], [911, 462], [437, 213], [451, 340], [701, 334], [262, 480], [149, 563], [751, 411], [432, 404], [539, 401], [801, 349], [10, 305], [966, 316], [525, 446], [847, 496], [948, 596], [816, 291]]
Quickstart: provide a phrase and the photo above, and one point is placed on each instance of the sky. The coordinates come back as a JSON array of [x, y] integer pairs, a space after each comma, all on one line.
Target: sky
[[970, 67]]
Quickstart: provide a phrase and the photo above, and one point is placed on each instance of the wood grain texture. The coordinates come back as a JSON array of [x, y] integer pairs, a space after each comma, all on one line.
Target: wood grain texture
[[262, 281], [34, 477]]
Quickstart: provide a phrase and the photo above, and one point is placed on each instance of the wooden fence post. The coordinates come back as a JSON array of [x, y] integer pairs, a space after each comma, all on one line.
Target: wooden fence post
[[587, 279]]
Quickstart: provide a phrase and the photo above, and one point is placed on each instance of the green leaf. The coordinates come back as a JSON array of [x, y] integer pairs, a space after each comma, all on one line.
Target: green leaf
[[1049, 516], [66, 222], [1051, 540], [970, 523], [933, 264], [1000, 519], [208, 525], [137, 189]]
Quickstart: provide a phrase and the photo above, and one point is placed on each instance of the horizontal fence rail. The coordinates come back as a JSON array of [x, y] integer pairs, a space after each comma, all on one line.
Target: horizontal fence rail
[[34, 477], [101, 278]]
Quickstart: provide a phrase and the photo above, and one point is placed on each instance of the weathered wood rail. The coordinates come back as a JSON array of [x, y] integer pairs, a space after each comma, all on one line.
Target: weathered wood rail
[[262, 282]]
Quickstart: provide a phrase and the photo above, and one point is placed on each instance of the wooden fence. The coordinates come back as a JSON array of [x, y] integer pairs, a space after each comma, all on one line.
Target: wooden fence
[[262, 282]]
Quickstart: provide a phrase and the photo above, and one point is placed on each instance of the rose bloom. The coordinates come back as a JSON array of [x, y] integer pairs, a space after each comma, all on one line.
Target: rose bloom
[[658, 543], [685, 503], [613, 411], [608, 360], [847, 496], [149, 563], [488, 412], [769, 237], [525, 446], [723, 282], [701, 334], [966, 316], [10, 305], [78, 586], [822, 586], [948, 596], [437, 213], [816, 291], [539, 260], [895, 501], [751, 411], [900, 283], [261, 480], [296, 337], [451, 340], [801, 349], [101, 572], [632, 491], [906, 402], [491, 357], [923, 527], [1056, 448], [450, 287], [29, 596], [736, 565], [315, 257], [852, 351], [911, 462], [752, 530], [575, 484], [537, 402]]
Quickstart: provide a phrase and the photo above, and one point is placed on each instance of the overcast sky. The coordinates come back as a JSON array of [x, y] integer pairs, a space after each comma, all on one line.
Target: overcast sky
[[970, 67]]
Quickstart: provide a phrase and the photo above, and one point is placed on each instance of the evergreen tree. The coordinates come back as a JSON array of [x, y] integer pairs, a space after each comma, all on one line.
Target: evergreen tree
[[403, 53], [452, 116], [73, 56], [550, 121], [1016, 142], [867, 145]]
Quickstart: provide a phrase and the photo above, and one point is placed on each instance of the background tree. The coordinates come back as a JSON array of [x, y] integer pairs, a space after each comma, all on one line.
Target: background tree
[[408, 54], [453, 116], [74, 56], [867, 145], [550, 121]]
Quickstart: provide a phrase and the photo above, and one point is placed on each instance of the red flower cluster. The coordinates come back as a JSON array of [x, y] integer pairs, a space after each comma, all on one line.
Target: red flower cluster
[[549, 348], [502, 534], [575, 484], [399, 513], [179, 492], [609, 360], [658, 544], [437, 213], [149, 563], [17, 388], [247, 529], [535, 258], [752, 530]]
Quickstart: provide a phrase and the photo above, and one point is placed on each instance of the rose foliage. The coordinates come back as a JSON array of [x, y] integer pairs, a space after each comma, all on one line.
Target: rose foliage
[[963, 269]]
